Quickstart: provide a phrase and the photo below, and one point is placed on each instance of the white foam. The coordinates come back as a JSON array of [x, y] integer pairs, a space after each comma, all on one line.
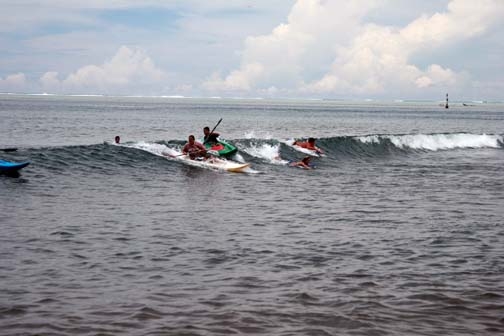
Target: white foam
[[270, 153], [154, 148], [369, 139], [175, 154], [174, 97], [436, 142]]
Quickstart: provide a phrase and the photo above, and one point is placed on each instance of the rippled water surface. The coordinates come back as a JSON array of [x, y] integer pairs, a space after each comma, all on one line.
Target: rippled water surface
[[397, 231]]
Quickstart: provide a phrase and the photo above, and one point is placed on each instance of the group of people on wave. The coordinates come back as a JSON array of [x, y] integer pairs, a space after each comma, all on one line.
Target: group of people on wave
[[197, 150]]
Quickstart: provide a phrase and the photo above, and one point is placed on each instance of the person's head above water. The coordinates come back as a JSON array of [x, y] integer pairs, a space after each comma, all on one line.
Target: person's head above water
[[117, 139]]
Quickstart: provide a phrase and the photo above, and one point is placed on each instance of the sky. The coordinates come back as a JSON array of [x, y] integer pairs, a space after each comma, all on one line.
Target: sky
[[333, 49]]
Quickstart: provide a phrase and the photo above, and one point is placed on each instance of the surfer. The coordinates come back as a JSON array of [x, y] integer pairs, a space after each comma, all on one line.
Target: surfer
[[117, 139], [194, 149], [210, 137], [304, 163], [310, 144]]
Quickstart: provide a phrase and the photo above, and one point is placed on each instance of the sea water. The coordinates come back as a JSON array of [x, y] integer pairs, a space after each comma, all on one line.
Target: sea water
[[397, 231]]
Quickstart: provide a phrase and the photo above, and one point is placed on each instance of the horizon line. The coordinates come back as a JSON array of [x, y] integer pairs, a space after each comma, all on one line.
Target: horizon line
[[370, 100]]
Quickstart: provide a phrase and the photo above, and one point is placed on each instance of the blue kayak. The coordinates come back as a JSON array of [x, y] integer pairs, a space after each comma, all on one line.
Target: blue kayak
[[11, 167]]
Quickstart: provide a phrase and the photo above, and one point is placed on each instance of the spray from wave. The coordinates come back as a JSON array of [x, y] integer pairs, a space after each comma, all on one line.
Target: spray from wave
[[435, 142], [265, 151], [154, 148]]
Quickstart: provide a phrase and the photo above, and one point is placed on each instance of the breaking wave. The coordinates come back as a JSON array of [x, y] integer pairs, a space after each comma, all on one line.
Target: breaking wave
[[434, 142], [106, 158]]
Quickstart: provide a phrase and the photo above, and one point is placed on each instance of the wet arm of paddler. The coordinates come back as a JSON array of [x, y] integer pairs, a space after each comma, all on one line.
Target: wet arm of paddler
[[200, 147]]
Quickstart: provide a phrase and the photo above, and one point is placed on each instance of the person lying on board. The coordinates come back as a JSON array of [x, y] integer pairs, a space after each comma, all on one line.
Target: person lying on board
[[210, 138], [310, 144], [194, 149], [304, 163]]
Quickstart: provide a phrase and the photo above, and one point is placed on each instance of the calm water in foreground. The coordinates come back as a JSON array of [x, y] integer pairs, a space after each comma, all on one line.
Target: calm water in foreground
[[398, 231]]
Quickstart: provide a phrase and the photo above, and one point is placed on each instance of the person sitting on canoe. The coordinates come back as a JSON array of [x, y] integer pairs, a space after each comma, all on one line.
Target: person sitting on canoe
[[304, 163], [210, 138], [310, 144], [194, 149]]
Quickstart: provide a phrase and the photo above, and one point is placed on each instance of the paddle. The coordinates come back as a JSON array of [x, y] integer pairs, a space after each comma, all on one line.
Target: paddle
[[206, 137]]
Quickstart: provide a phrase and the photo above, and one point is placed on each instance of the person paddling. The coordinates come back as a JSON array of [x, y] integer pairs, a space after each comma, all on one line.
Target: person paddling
[[210, 137], [304, 163], [310, 144], [194, 149]]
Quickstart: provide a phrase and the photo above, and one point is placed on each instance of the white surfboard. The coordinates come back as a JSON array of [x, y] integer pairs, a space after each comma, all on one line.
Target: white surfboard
[[211, 163]]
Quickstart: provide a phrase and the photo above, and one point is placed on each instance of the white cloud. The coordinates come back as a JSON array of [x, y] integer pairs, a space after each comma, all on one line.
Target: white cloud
[[328, 48], [295, 48], [376, 62], [464, 19], [189, 38], [13, 83], [50, 81], [128, 67], [237, 80], [436, 75], [351, 57]]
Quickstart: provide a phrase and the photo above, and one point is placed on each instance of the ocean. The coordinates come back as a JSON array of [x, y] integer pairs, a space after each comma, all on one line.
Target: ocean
[[398, 230]]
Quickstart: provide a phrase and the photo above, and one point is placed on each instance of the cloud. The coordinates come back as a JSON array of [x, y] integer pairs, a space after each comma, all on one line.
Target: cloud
[[436, 74], [128, 67], [377, 61], [327, 48], [295, 48], [237, 80], [13, 83], [462, 20], [324, 48], [50, 81]]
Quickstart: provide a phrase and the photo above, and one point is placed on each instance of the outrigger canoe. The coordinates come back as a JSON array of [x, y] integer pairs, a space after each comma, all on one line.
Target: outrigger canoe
[[7, 167], [221, 149]]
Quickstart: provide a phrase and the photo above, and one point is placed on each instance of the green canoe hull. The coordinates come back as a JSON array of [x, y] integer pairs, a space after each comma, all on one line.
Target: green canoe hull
[[221, 149]]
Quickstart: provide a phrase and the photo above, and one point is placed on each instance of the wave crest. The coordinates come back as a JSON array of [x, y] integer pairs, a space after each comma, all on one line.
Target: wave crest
[[436, 142]]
